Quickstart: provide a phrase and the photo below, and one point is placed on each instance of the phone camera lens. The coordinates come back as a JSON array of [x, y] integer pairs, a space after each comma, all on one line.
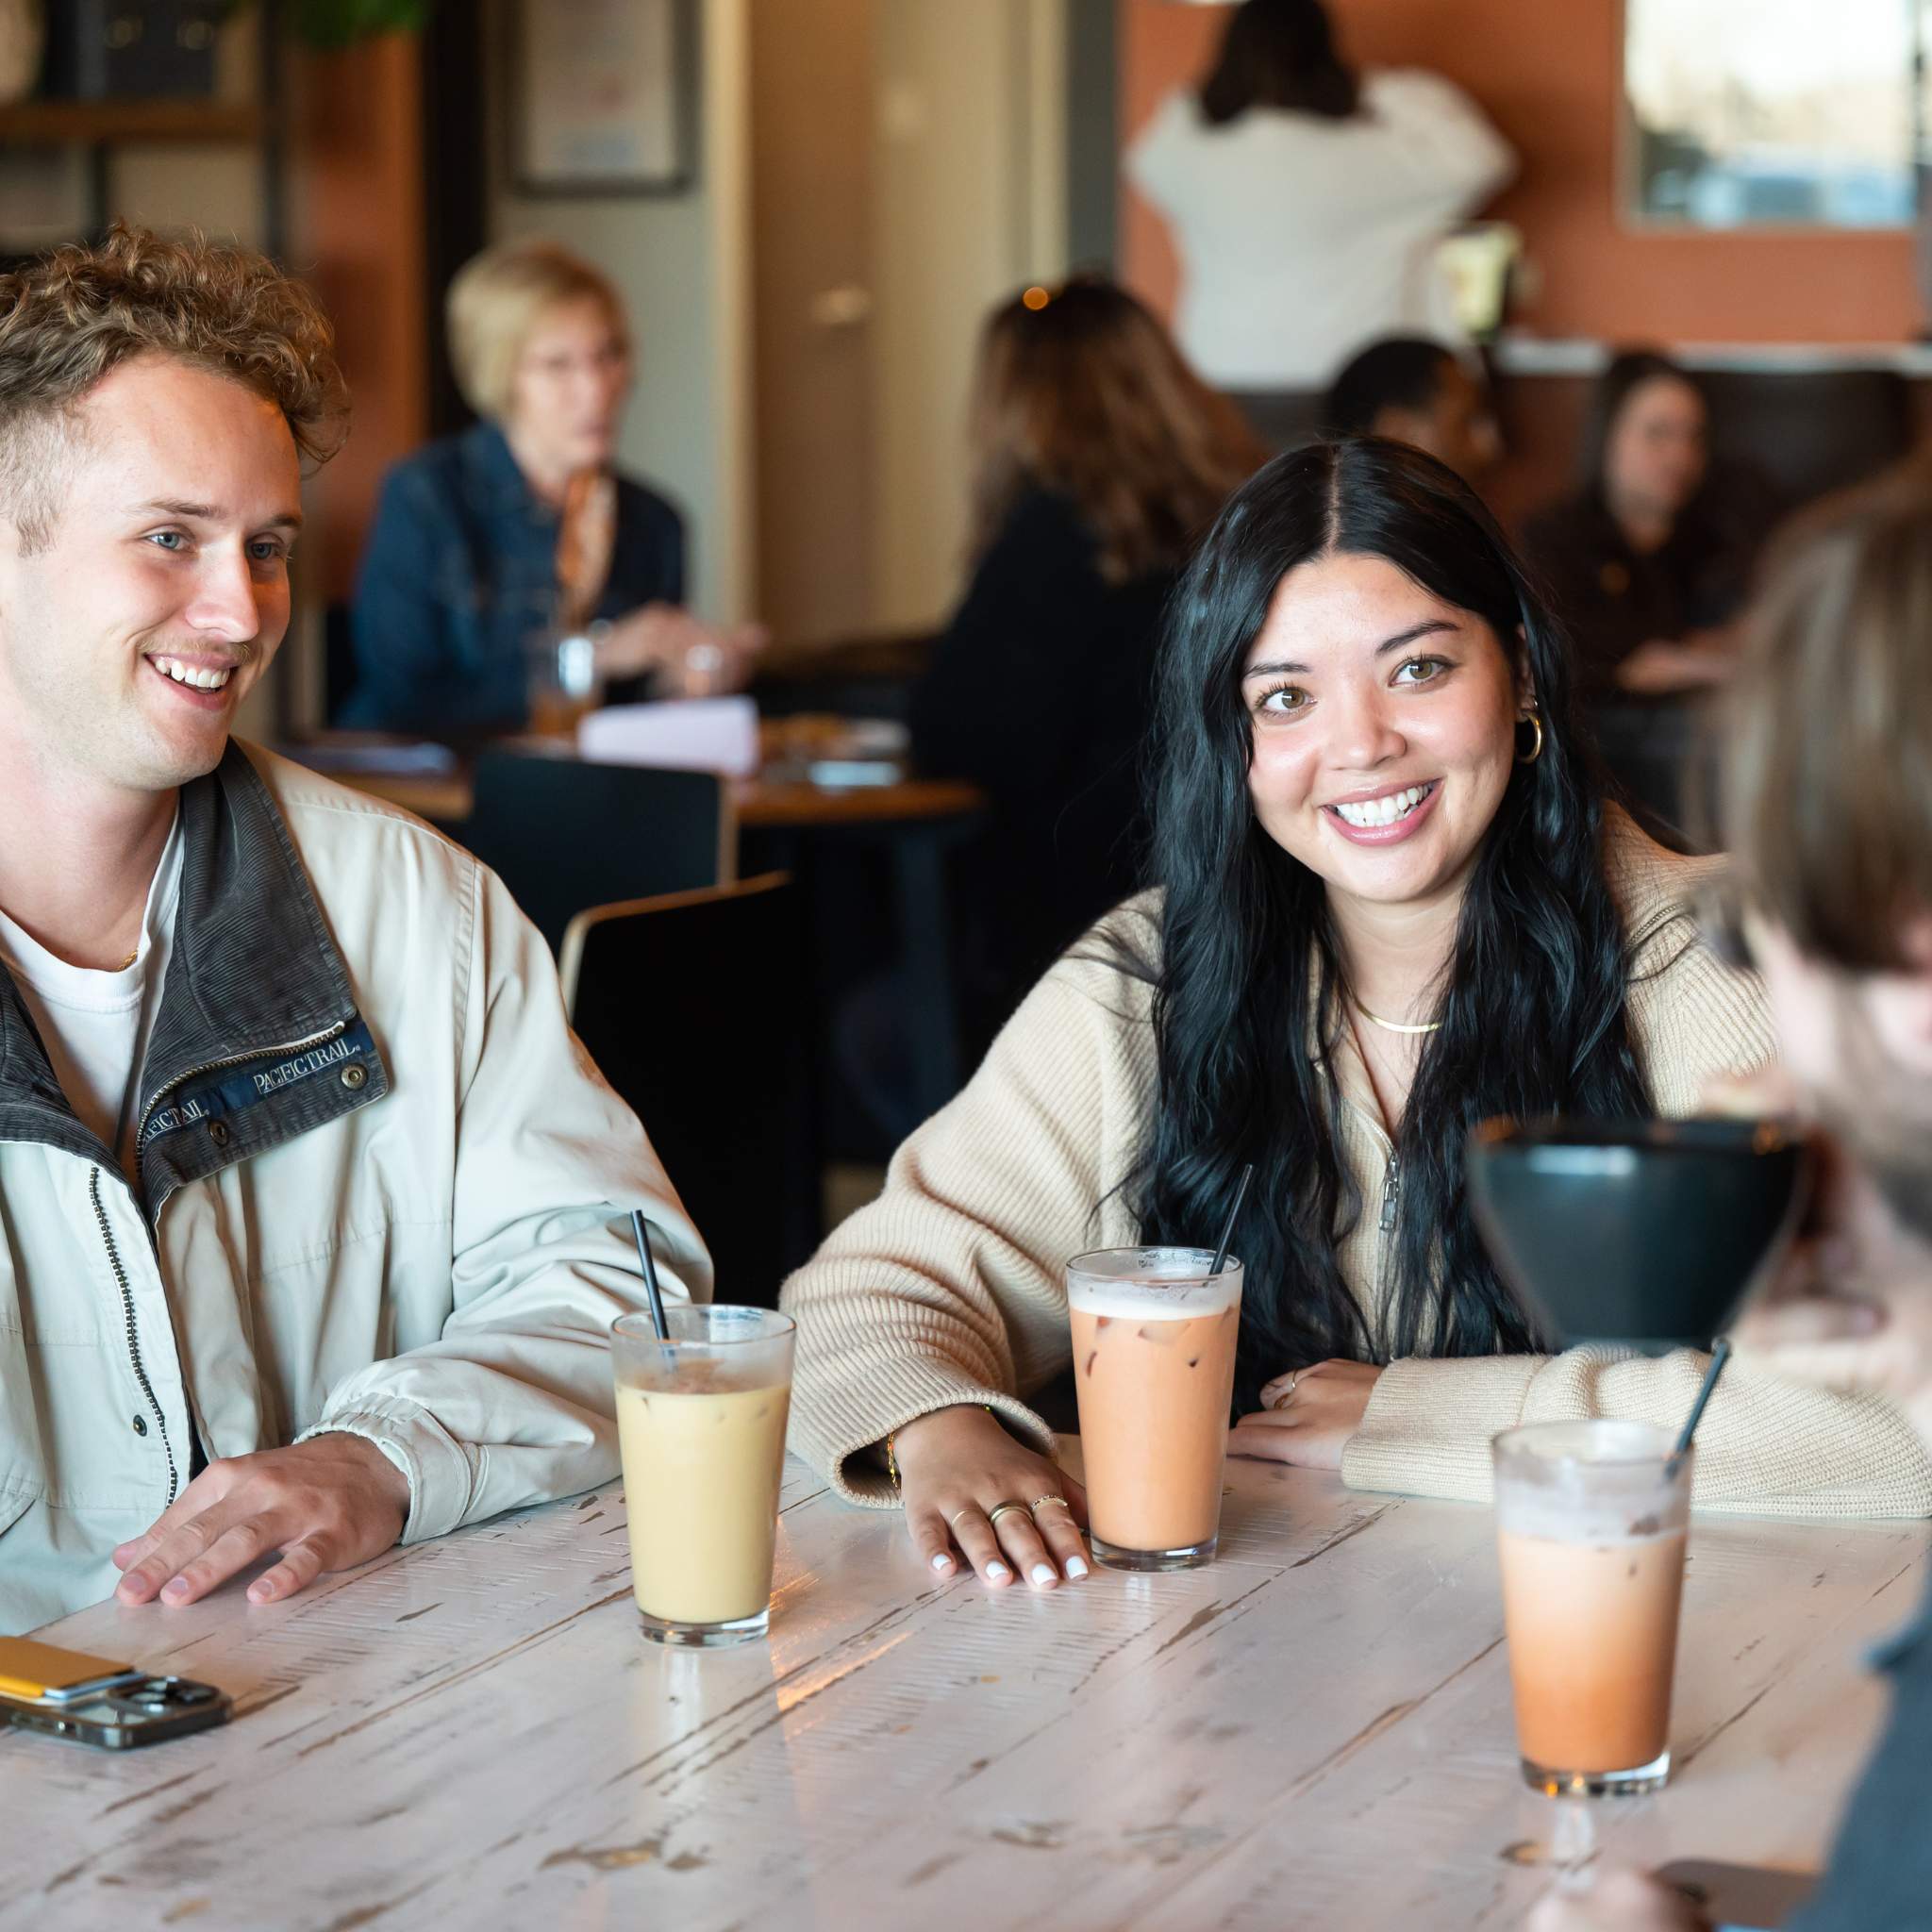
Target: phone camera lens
[[159, 1694]]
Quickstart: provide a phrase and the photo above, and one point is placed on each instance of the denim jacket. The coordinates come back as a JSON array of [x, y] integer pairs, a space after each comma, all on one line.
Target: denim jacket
[[459, 576]]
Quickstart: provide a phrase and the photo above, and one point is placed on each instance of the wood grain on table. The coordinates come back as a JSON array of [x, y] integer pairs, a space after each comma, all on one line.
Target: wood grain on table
[[1312, 1732]]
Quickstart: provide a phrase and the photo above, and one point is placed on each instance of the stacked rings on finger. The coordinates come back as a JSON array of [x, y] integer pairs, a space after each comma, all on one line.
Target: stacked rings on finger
[[999, 1509], [1040, 1503], [1287, 1395]]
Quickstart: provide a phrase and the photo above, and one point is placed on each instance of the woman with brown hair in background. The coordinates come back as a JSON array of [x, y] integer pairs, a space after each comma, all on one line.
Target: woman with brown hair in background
[[1097, 458]]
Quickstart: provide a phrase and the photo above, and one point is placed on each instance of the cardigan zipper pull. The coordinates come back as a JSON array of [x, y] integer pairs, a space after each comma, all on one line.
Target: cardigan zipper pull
[[1391, 1195]]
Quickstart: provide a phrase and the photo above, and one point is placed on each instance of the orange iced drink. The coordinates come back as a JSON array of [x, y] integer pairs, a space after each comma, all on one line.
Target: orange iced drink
[[1154, 1332], [1591, 1537]]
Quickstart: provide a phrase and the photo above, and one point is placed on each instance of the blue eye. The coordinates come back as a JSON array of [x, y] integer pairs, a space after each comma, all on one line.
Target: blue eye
[[168, 539]]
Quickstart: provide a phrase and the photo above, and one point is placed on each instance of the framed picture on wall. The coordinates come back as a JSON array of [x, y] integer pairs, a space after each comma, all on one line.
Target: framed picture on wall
[[603, 96]]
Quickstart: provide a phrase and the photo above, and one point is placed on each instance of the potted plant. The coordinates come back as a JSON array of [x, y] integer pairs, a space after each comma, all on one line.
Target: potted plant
[[337, 24]]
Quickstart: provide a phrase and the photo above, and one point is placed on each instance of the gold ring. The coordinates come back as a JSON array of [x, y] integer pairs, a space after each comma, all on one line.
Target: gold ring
[[1287, 1395], [956, 1514], [999, 1509], [1040, 1502]]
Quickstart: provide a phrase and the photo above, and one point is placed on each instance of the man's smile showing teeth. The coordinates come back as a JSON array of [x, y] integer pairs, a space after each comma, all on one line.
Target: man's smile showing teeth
[[1371, 812], [202, 677]]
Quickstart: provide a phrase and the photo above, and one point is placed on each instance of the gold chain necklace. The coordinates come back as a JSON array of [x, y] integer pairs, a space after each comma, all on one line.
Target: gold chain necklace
[[1395, 1026]]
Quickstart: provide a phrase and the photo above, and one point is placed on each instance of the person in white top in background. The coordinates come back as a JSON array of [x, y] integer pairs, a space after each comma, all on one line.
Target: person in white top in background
[[1305, 200]]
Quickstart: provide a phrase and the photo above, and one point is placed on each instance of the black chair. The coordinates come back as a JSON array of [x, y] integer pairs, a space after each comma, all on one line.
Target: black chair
[[696, 1006], [338, 660], [1808, 430], [564, 835]]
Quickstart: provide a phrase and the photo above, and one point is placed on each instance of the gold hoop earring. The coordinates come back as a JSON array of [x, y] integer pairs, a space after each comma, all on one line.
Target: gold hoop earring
[[1536, 724]]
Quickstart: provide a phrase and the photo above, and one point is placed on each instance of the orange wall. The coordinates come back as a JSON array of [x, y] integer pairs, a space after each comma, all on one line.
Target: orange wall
[[1547, 72]]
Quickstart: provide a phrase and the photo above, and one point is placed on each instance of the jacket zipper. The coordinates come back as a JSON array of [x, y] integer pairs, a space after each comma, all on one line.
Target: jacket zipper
[[234, 1059], [147, 1388], [1392, 1193]]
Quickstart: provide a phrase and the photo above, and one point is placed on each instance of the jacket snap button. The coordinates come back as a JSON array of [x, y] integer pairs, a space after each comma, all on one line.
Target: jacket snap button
[[354, 1076], [141, 1426], [218, 1132]]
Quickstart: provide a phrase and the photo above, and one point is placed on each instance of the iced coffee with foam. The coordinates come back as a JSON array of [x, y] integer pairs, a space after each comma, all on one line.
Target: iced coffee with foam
[[1154, 1333], [1591, 1535]]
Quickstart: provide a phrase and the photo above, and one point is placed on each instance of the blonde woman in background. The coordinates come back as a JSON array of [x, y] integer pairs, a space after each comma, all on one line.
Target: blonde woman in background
[[522, 526]]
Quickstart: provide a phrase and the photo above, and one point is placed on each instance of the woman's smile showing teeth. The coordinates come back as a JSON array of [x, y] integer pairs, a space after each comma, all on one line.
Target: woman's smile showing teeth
[[1384, 820]]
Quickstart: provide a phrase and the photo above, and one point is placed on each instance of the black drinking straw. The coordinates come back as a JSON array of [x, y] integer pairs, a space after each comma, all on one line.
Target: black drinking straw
[[1241, 1194], [650, 1288], [1719, 1356]]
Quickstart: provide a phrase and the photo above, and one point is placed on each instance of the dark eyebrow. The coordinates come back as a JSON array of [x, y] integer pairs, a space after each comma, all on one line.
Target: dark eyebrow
[[1428, 627], [209, 513]]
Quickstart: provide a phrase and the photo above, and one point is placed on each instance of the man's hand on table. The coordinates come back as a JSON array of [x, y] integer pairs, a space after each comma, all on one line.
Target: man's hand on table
[[1618, 1901], [1308, 1416], [326, 1504], [957, 1466]]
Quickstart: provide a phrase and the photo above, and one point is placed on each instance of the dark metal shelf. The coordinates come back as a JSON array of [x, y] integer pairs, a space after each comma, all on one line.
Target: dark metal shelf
[[189, 122]]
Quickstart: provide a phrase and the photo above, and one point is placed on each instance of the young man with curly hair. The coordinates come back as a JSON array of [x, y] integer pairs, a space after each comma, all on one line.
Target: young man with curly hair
[[310, 1207]]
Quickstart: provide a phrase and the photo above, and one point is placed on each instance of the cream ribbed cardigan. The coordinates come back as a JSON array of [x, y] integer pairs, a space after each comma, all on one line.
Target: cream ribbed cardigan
[[949, 1288]]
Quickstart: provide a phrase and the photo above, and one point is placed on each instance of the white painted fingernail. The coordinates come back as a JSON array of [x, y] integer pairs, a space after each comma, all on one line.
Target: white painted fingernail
[[1045, 1573], [995, 1568], [1076, 1566], [942, 1561]]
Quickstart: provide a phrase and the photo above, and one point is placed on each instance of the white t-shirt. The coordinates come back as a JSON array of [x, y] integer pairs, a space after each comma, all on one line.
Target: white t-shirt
[[95, 1025], [1303, 239]]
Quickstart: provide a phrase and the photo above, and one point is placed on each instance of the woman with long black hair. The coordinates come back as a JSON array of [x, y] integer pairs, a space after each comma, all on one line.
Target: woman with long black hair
[[1395, 902]]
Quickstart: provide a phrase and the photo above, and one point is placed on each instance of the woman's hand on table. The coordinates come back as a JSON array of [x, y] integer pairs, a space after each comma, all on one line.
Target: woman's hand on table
[[1309, 1416], [957, 1466], [330, 1503], [1618, 1900]]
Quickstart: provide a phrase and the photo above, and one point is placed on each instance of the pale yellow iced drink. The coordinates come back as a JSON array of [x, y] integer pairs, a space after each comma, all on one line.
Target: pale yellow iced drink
[[701, 1474], [701, 1428]]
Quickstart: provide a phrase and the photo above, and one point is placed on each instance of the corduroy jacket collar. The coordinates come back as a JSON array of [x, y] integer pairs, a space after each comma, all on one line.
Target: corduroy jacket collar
[[259, 1037]]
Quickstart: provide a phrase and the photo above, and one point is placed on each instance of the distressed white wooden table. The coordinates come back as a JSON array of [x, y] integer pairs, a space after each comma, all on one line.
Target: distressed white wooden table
[[1314, 1732]]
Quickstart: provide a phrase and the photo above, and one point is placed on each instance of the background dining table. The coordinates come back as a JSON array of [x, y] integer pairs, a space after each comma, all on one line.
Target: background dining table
[[1313, 1732], [783, 820]]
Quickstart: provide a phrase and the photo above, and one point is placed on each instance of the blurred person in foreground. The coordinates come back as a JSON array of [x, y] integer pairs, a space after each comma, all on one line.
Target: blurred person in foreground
[[1417, 390], [307, 1192], [1828, 802], [489, 546]]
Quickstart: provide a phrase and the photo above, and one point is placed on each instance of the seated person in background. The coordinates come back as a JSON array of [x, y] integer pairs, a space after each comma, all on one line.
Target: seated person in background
[[1393, 903], [519, 531], [1647, 563], [1415, 390], [307, 1241], [1829, 739], [1097, 458]]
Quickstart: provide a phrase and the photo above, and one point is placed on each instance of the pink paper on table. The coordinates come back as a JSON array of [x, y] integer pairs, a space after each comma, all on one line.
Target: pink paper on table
[[680, 734]]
